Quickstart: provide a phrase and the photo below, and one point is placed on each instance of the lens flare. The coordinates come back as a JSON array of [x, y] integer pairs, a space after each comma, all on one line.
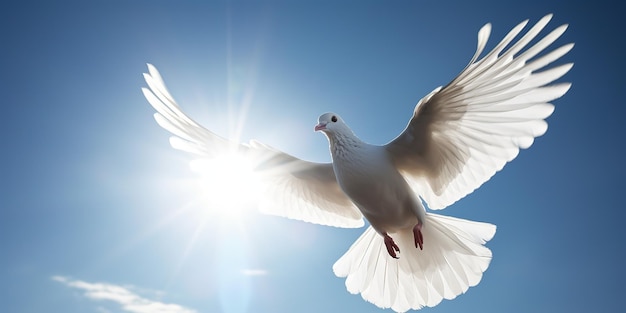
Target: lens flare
[[226, 184]]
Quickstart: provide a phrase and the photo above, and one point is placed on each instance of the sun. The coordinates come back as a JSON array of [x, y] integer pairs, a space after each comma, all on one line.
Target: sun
[[227, 184]]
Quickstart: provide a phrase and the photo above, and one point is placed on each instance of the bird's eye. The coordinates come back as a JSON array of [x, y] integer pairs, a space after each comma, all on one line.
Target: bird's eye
[[334, 119]]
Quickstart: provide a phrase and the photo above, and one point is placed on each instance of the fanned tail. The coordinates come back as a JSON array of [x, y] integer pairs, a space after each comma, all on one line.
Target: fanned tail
[[454, 259]]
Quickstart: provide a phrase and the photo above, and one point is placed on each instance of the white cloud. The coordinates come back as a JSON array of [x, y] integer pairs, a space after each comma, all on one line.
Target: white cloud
[[102, 310], [127, 299]]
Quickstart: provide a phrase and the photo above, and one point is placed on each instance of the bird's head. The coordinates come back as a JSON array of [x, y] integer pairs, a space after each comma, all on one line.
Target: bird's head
[[331, 123]]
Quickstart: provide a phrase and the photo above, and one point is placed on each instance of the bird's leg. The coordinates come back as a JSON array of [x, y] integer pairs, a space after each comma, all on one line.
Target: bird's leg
[[417, 235], [392, 247]]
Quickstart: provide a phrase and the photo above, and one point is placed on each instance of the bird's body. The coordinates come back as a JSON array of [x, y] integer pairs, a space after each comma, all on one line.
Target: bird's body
[[458, 137], [379, 191], [367, 175]]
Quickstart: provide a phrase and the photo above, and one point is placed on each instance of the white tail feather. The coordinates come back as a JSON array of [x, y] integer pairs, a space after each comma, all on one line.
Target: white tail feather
[[454, 259]]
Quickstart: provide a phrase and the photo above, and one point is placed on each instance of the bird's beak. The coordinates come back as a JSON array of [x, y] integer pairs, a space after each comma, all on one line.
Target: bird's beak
[[320, 126]]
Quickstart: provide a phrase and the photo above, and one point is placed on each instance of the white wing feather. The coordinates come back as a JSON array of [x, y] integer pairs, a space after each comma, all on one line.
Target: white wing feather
[[462, 134], [292, 187]]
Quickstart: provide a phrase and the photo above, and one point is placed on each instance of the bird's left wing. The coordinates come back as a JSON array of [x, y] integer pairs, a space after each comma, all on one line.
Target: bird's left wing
[[291, 187], [462, 134]]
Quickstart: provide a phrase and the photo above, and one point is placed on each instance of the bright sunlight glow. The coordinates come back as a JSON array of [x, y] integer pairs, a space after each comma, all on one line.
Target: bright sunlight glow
[[227, 183]]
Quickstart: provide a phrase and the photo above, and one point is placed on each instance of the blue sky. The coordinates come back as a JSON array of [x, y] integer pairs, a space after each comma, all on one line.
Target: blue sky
[[95, 210]]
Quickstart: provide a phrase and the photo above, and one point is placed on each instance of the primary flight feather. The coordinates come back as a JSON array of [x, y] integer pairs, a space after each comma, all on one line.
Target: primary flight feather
[[459, 136]]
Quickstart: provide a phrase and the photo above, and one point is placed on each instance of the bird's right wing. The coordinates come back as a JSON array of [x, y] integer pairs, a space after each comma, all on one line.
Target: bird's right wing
[[462, 134], [291, 187]]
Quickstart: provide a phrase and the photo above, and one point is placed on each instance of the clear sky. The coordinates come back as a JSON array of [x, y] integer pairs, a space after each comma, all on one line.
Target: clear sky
[[95, 207]]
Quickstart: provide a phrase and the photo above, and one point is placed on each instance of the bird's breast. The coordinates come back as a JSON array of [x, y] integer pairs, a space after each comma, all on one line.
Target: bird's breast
[[376, 187]]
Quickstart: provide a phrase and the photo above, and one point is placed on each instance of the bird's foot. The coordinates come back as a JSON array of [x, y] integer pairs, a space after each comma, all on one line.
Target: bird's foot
[[392, 247], [417, 235]]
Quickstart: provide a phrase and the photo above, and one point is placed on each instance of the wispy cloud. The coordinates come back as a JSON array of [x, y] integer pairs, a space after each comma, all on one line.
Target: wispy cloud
[[127, 299], [102, 310]]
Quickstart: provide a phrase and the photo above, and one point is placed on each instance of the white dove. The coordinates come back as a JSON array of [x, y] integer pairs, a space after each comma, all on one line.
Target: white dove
[[458, 137]]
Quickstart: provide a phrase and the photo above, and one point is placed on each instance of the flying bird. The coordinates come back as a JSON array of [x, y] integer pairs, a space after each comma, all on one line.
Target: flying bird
[[458, 137]]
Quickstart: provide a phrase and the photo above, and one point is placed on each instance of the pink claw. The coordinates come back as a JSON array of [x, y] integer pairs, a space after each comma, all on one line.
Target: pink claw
[[417, 235], [392, 248]]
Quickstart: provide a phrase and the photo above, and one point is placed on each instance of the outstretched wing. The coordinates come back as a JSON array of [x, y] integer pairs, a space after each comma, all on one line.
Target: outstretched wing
[[292, 187], [462, 134]]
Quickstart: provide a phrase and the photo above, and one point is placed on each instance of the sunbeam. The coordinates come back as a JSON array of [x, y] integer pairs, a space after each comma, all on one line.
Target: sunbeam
[[226, 184]]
